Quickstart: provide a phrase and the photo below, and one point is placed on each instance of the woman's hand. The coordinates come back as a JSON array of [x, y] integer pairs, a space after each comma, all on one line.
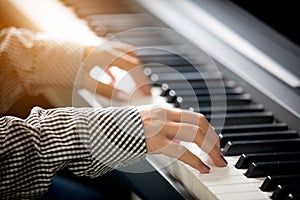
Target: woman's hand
[[114, 54], [163, 127]]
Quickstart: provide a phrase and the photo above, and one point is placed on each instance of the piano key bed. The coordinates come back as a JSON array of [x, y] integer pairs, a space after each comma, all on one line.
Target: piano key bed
[[263, 153]]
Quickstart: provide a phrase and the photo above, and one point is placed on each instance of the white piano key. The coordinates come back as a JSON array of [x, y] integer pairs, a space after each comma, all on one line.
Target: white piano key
[[221, 182], [229, 170], [243, 195], [184, 175], [197, 188], [232, 159], [233, 188], [256, 181], [224, 180]]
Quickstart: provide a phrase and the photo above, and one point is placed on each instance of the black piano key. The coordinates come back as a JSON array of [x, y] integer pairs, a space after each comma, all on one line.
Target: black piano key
[[293, 196], [246, 160], [140, 41], [188, 76], [233, 148], [261, 169], [241, 118], [214, 100], [224, 138], [271, 182], [173, 60], [157, 69], [154, 51], [185, 59], [252, 128], [171, 96], [194, 85], [198, 85], [165, 90], [231, 109], [283, 191], [207, 92]]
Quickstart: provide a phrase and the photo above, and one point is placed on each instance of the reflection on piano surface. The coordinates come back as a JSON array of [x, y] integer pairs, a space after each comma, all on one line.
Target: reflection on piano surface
[[259, 137]]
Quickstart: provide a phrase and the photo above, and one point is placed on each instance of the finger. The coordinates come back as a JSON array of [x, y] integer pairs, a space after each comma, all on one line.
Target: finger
[[178, 151], [129, 63], [193, 118], [181, 131], [141, 81], [110, 57], [133, 66], [208, 141], [113, 78], [111, 92], [132, 53], [124, 60], [103, 89], [185, 116], [211, 145]]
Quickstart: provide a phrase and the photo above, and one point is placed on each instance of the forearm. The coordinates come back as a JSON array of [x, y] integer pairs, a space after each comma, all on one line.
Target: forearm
[[87, 141]]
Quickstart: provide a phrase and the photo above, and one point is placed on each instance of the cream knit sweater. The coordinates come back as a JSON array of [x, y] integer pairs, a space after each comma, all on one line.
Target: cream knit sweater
[[30, 62]]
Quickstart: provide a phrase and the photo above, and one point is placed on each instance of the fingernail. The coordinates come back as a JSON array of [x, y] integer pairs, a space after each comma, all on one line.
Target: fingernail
[[225, 161], [205, 167]]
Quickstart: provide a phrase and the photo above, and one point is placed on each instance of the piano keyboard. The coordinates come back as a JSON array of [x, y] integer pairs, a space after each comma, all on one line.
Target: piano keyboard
[[263, 153], [268, 148]]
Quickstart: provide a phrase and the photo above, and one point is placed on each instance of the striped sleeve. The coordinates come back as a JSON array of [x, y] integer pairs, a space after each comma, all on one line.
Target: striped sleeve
[[88, 141]]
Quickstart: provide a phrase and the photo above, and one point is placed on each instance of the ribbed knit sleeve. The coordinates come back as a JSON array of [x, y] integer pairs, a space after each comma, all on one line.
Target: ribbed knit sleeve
[[30, 62], [87, 141]]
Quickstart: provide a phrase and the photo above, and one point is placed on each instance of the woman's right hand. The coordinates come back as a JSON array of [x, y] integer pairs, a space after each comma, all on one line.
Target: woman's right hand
[[164, 126]]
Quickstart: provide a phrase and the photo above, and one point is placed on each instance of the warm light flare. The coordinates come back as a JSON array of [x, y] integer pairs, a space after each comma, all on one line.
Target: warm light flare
[[61, 24]]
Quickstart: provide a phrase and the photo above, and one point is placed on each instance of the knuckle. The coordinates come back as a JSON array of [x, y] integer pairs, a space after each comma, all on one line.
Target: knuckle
[[203, 121], [158, 111], [158, 123], [202, 117], [199, 131]]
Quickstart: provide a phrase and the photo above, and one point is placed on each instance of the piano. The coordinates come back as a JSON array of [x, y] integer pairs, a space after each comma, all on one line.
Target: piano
[[205, 56]]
